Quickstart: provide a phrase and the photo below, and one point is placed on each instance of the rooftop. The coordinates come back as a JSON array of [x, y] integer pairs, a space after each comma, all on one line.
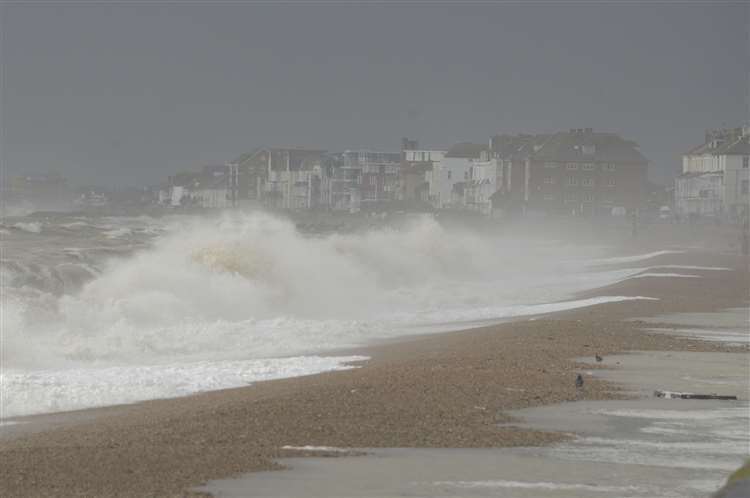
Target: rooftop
[[467, 150], [727, 141], [588, 145]]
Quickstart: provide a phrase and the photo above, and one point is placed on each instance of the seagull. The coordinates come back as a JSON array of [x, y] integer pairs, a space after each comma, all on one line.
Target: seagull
[[599, 359], [579, 382]]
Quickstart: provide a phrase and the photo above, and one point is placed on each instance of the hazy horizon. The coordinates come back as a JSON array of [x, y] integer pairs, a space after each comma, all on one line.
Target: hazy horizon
[[128, 94]]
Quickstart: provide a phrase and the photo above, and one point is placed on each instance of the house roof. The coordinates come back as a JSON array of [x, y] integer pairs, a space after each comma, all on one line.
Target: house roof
[[467, 150], [731, 142], [298, 157], [741, 147], [516, 146], [296, 154], [587, 145]]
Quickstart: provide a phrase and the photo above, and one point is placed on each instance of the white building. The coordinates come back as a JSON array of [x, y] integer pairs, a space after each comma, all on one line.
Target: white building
[[485, 179], [416, 173], [423, 155], [463, 178], [715, 176], [208, 189]]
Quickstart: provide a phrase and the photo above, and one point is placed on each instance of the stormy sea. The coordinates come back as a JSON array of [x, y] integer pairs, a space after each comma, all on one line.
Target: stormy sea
[[103, 310]]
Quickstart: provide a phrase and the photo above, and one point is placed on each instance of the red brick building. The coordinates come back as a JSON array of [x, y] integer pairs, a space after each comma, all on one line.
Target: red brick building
[[575, 172]]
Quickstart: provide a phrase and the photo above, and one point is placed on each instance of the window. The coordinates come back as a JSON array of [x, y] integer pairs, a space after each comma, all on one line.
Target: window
[[571, 181], [588, 182], [549, 180], [571, 166], [609, 167], [571, 197], [449, 174], [746, 162], [589, 149], [588, 198], [611, 182], [549, 197], [745, 186], [550, 165], [588, 166]]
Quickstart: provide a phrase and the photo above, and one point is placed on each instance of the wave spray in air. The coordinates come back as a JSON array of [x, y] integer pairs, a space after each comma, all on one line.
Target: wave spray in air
[[251, 287]]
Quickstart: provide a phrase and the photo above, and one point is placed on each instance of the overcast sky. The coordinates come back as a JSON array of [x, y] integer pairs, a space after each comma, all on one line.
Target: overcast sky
[[132, 92]]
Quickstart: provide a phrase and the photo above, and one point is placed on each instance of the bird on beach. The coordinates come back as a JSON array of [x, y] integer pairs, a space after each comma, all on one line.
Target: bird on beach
[[599, 359], [579, 382]]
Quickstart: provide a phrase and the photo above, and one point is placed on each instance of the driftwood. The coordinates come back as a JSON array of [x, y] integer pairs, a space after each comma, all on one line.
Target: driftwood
[[676, 395]]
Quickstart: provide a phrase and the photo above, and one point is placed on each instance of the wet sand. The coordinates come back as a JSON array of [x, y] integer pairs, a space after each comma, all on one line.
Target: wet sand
[[450, 390], [625, 448]]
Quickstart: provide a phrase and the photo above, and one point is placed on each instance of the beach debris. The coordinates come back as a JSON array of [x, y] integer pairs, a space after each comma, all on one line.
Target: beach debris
[[599, 359], [579, 381], [679, 395]]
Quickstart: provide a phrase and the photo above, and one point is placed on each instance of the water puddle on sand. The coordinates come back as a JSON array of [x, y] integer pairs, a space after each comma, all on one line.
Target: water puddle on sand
[[648, 447]]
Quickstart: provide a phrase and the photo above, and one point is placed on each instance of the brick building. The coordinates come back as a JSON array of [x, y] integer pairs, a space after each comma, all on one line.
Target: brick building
[[578, 172]]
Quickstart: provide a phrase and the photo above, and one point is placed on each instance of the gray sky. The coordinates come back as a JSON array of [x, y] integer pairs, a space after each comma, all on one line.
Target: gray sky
[[131, 92]]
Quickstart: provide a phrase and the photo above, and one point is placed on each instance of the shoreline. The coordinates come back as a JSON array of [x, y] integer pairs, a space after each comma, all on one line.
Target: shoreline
[[640, 446], [164, 447]]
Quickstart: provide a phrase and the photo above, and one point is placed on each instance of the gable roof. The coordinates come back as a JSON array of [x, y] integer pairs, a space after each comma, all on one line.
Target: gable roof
[[298, 157], [587, 145], [516, 146], [741, 147], [729, 141]]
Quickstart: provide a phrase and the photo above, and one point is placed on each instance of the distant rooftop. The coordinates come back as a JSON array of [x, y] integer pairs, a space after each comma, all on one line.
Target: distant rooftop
[[724, 141], [467, 150], [584, 144]]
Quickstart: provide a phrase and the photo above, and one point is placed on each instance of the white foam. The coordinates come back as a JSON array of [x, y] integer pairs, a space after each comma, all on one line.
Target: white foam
[[540, 485], [718, 335], [691, 267], [690, 447], [625, 456], [250, 286], [31, 226], [666, 275], [713, 414], [118, 232], [44, 391], [634, 258], [502, 312]]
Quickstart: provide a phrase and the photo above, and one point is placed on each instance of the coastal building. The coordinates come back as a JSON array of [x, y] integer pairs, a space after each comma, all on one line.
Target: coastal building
[[416, 170], [377, 174], [284, 178], [715, 176], [209, 188], [484, 181], [342, 184], [450, 175], [579, 172]]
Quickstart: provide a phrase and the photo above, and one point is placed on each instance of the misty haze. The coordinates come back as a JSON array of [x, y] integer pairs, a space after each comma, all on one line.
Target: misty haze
[[375, 249]]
